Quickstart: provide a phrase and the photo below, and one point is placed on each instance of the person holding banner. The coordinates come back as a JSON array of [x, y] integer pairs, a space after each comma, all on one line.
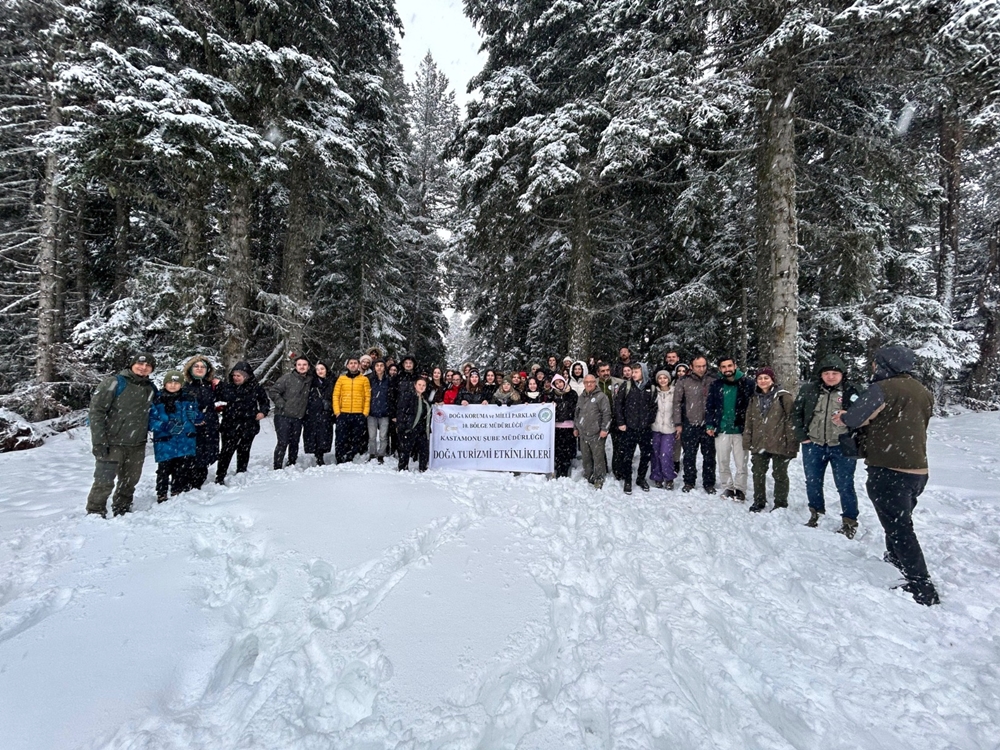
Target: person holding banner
[[506, 394], [591, 422], [472, 393], [565, 399], [413, 423]]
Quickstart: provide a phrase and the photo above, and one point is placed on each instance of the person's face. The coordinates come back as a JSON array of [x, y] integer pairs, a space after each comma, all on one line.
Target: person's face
[[515, 378], [625, 354], [353, 366], [239, 378], [540, 377], [700, 366], [473, 378], [393, 371], [491, 378], [420, 386], [142, 369], [380, 368], [302, 366], [662, 380], [764, 382], [577, 371], [321, 370], [199, 369], [682, 372], [559, 385], [727, 368], [604, 372], [456, 380], [467, 369], [832, 378], [408, 365], [172, 386], [506, 387], [672, 359], [589, 383], [437, 374], [532, 385], [552, 363], [637, 374], [366, 363], [627, 372]]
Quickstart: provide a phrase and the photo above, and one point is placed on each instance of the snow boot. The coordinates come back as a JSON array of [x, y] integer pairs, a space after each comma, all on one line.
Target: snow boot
[[643, 484], [710, 489], [849, 529], [628, 487], [599, 484], [669, 485], [814, 515], [728, 493], [739, 496], [923, 592], [381, 460], [319, 460], [758, 506], [779, 506], [687, 488]]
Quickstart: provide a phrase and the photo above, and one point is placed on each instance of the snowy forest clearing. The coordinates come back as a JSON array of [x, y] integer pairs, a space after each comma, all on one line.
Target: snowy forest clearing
[[354, 607]]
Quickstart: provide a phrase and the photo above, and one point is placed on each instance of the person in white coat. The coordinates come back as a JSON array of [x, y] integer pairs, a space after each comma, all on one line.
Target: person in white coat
[[577, 372], [662, 470]]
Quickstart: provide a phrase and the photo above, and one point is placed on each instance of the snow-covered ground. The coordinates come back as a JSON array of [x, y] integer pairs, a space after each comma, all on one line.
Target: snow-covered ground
[[351, 607]]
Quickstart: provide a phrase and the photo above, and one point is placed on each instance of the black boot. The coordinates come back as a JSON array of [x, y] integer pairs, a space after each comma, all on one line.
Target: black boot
[[758, 506], [628, 487], [643, 484]]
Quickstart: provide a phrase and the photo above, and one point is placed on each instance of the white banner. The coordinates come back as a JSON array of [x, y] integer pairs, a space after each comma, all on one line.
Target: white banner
[[494, 438]]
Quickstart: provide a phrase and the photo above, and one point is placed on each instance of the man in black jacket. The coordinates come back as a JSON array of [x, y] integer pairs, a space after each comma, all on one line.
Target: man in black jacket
[[635, 410], [895, 411], [290, 395], [245, 405]]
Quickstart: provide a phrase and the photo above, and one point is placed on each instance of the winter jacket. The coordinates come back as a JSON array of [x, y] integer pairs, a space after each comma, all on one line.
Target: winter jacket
[[664, 422], [203, 392], [565, 405], [726, 404], [619, 367], [380, 395], [690, 399], [593, 414], [290, 394], [352, 395], [768, 427], [608, 387], [536, 397], [242, 404], [816, 404], [414, 412], [474, 397], [119, 410], [635, 407], [317, 423], [489, 391], [577, 383], [173, 420], [435, 393], [894, 412], [451, 394], [507, 399]]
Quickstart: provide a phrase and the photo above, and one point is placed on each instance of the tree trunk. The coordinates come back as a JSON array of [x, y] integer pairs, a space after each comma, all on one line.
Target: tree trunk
[[580, 295], [985, 373], [777, 237], [950, 154], [123, 220], [49, 265], [239, 275], [304, 229], [194, 224]]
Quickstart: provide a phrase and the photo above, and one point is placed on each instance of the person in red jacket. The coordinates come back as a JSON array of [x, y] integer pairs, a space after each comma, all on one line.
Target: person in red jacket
[[451, 394]]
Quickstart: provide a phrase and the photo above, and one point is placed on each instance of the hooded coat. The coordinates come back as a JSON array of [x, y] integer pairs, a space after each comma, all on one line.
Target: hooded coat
[[576, 384], [242, 404], [317, 424], [203, 391], [173, 420], [120, 416], [810, 393]]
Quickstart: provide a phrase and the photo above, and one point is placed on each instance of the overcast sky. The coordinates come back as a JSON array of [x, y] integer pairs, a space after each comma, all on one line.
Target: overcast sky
[[441, 27]]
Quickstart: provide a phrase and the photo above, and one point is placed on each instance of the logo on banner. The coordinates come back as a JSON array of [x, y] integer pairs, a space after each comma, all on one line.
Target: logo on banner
[[439, 416], [545, 415]]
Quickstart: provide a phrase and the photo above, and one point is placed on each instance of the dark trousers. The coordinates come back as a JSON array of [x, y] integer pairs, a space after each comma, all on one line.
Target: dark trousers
[[628, 441], [779, 473], [616, 460], [238, 443], [393, 445], [351, 437], [565, 450], [894, 495], [174, 476], [118, 473], [414, 442], [288, 431], [693, 438], [815, 459], [197, 474]]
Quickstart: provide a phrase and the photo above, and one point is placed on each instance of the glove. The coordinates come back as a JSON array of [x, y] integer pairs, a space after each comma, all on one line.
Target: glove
[[101, 452]]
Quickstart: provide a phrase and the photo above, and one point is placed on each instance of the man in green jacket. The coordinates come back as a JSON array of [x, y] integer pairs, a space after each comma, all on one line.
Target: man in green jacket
[[894, 412], [119, 422]]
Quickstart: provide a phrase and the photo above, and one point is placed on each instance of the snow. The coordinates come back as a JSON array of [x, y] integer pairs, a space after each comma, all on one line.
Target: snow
[[355, 607]]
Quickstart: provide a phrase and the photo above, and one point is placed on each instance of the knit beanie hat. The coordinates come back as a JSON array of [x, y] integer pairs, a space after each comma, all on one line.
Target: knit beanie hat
[[767, 371], [173, 376], [144, 358]]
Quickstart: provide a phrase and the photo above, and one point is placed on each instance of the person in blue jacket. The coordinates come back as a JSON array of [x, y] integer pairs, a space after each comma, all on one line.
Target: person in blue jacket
[[174, 418]]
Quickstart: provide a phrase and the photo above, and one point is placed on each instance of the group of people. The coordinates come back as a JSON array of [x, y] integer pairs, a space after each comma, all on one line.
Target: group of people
[[668, 413]]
